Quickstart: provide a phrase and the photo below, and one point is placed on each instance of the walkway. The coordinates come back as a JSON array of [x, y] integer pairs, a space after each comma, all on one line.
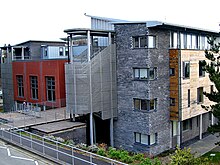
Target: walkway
[[204, 145]]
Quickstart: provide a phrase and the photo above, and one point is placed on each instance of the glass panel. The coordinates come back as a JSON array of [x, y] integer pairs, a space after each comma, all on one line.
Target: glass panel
[[144, 139], [189, 41], [143, 42], [136, 42], [182, 41], [137, 137], [136, 73], [152, 139], [136, 104], [174, 128], [152, 104], [194, 42], [151, 42], [151, 73], [143, 104], [143, 73]]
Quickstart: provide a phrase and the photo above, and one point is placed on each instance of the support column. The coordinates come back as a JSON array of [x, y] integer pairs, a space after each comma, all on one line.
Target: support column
[[200, 127], [71, 49], [109, 38], [16, 105], [90, 87], [179, 134], [111, 132], [22, 53], [212, 119]]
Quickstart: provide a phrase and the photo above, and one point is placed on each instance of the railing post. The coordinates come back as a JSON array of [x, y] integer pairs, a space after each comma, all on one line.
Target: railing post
[[57, 150], [31, 141], [72, 156], [43, 146]]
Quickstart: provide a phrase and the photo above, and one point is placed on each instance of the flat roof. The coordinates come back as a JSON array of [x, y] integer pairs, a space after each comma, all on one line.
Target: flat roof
[[38, 41], [83, 31]]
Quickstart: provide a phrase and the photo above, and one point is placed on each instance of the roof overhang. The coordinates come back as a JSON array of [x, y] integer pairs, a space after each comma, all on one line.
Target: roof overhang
[[84, 31]]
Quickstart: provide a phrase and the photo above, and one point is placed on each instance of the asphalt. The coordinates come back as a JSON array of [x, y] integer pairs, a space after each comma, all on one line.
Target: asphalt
[[204, 145]]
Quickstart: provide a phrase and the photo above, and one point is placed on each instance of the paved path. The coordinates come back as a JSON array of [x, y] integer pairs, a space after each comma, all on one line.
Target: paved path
[[204, 145]]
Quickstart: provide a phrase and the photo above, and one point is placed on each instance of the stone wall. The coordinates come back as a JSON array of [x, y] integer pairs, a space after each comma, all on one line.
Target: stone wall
[[129, 120]]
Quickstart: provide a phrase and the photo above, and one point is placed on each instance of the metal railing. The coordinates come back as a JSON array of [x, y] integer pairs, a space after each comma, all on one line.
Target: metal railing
[[53, 148]]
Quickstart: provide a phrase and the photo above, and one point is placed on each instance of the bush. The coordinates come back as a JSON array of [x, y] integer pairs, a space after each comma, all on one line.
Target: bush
[[101, 152], [184, 157]]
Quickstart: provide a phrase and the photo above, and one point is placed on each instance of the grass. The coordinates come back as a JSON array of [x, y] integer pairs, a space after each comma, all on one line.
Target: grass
[[213, 159]]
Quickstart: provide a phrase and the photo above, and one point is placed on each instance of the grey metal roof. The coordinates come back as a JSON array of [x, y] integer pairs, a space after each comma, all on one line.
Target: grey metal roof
[[106, 19], [150, 24], [83, 31], [38, 41]]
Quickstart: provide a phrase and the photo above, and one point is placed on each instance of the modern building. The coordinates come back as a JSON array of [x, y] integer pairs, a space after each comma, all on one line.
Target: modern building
[[144, 89], [33, 72]]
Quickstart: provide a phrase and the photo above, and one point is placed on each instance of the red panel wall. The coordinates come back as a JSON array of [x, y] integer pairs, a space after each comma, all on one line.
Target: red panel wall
[[41, 69]]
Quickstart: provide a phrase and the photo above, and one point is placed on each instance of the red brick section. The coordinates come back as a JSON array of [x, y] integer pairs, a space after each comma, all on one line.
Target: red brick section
[[41, 69]]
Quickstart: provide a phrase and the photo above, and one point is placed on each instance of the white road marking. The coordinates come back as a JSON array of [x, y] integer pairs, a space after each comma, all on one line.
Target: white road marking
[[16, 157], [9, 153], [3, 147]]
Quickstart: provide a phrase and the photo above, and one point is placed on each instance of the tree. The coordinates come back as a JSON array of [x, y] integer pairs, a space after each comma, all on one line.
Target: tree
[[212, 66]]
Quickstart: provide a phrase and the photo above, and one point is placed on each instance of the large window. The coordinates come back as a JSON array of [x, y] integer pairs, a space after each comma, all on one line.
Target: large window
[[20, 85], [145, 139], [145, 73], [186, 69], [174, 39], [201, 67], [144, 42], [34, 87], [145, 105], [200, 97], [187, 124], [50, 85]]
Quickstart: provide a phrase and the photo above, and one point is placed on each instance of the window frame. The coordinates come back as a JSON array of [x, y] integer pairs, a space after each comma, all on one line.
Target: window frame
[[201, 71], [172, 101], [50, 88], [151, 139], [34, 87], [140, 103], [61, 52], [172, 71], [144, 42], [200, 95], [185, 64], [138, 76], [20, 85], [187, 125]]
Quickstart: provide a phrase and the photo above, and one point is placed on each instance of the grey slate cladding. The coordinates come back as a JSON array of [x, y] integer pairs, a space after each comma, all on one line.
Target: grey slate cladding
[[130, 121]]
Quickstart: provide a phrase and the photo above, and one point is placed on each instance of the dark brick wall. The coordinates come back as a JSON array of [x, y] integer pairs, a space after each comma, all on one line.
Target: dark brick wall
[[130, 121]]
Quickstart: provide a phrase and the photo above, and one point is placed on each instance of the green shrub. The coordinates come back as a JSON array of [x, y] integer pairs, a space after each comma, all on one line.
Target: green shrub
[[101, 152], [184, 157], [138, 156], [113, 153]]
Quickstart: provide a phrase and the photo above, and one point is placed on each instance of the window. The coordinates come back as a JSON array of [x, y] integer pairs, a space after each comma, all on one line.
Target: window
[[174, 38], [151, 42], [202, 42], [145, 139], [50, 84], [187, 124], [20, 85], [186, 69], [144, 42], [34, 87], [189, 41], [145, 73], [188, 97], [201, 67], [172, 71], [182, 41], [146, 105], [44, 51], [172, 101], [174, 128], [61, 51], [66, 51], [200, 95]]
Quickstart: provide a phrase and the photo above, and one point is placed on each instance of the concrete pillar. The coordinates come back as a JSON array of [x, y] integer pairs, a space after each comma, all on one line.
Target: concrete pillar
[[16, 105], [71, 49], [90, 87], [179, 134], [111, 132], [200, 127], [109, 38], [22, 53], [213, 118], [12, 54]]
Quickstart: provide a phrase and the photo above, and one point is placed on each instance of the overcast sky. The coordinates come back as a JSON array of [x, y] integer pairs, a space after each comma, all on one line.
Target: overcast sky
[[23, 20]]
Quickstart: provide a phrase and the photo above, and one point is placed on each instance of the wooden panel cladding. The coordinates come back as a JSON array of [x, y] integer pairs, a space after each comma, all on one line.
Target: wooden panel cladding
[[174, 93]]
